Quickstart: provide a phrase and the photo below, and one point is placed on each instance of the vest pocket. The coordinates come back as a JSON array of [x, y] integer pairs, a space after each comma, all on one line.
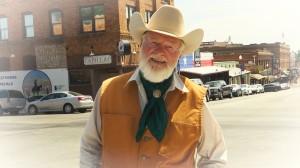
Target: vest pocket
[[180, 143], [118, 134]]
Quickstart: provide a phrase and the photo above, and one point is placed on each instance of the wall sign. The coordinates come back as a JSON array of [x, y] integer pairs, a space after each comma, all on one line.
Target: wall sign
[[97, 59]]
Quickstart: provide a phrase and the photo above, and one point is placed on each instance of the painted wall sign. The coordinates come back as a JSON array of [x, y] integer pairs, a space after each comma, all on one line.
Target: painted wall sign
[[97, 59], [36, 83]]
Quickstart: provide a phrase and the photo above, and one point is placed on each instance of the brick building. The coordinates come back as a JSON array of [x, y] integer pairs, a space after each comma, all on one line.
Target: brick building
[[42, 34], [272, 56]]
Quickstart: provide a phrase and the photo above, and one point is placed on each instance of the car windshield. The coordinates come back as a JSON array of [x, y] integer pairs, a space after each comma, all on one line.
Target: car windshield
[[214, 84], [15, 94]]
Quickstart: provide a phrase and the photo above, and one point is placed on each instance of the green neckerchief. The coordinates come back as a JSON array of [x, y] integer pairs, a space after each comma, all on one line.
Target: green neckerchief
[[155, 115]]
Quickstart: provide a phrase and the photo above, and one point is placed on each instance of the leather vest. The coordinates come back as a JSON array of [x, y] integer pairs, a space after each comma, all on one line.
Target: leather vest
[[121, 112]]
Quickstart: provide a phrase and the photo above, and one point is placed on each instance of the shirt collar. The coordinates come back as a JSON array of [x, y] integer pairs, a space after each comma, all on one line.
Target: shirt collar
[[176, 83]]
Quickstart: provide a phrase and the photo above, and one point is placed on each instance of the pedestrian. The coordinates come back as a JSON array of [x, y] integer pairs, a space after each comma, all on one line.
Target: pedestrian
[[153, 117]]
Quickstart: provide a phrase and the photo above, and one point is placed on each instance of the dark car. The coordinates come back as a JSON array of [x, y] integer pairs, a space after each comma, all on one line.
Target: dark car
[[219, 90], [271, 87], [199, 82]]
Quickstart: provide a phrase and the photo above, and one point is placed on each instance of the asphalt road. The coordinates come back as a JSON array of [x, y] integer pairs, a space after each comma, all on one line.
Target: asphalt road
[[261, 131]]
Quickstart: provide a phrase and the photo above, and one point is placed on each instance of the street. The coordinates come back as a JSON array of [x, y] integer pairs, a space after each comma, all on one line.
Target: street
[[261, 131]]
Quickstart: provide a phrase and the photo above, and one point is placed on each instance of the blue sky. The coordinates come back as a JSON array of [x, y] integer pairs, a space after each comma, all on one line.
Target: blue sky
[[247, 22]]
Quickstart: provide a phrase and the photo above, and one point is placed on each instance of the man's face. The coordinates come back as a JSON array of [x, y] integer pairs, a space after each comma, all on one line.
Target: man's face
[[159, 56]]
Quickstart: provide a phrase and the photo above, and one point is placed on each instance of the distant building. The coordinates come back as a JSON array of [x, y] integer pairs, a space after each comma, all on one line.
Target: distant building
[[79, 35]]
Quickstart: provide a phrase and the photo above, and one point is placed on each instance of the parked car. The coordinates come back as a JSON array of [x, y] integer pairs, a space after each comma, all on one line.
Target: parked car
[[246, 89], [218, 90], [66, 101], [12, 101], [199, 82], [271, 87], [284, 86], [254, 89], [236, 90], [260, 88]]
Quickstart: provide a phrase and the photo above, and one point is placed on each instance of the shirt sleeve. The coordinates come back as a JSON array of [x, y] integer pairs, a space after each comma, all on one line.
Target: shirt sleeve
[[211, 150], [91, 144]]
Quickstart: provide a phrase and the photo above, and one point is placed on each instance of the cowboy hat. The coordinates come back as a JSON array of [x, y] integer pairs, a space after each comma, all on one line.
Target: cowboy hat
[[169, 21]]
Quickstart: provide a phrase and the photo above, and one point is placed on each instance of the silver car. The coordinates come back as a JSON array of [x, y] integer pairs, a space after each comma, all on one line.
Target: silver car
[[12, 101], [66, 101]]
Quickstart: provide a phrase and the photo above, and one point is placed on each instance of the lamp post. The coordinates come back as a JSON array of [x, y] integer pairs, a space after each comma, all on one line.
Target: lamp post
[[241, 66], [267, 65]]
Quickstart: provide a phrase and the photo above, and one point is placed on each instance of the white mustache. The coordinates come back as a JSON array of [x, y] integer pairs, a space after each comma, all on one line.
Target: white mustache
[[158, 58]]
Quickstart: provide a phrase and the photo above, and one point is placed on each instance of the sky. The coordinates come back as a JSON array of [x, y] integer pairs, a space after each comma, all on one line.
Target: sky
[[246, 22]]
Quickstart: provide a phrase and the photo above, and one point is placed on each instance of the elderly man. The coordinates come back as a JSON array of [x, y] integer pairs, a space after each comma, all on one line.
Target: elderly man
[[153, 117]]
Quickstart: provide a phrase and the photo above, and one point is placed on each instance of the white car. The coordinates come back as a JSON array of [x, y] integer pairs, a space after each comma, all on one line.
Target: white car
[[66, 101], [246, 89]]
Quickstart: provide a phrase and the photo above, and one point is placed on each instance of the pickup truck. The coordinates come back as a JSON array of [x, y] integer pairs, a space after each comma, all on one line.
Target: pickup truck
[[219, 89], [199, 82]]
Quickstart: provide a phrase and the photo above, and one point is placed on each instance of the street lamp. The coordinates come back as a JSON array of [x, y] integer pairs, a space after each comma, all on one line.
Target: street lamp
[[241, 66], [267, 65]]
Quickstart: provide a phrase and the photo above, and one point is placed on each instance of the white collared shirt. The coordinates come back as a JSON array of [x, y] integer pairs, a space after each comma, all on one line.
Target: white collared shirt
[[211, 150]]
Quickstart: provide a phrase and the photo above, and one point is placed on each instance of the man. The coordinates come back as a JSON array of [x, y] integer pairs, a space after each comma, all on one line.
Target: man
[[153, 117]]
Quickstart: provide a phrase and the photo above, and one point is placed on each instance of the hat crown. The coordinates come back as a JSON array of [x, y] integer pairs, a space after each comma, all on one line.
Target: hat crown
[[168, 19]]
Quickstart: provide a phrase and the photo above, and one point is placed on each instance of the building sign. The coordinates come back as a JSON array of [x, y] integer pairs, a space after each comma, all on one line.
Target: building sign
[[51, 56], [197, 57], [36, 83], [185, 61], [97, 59]]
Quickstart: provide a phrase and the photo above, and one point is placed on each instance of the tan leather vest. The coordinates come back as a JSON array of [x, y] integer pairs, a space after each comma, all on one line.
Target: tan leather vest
[[120, 114]]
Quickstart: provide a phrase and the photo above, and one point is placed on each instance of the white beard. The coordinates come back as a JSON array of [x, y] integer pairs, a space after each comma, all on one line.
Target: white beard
[[153, 74]]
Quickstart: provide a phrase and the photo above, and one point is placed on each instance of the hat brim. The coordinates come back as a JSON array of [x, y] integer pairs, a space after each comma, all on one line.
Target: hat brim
[[191, 40]]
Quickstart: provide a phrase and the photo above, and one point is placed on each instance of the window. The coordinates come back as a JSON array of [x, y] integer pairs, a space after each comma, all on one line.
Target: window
[[28, 24], [79, 77], [56, 22], [165, 2], [129, 11], [92, 18], [3, 28], [148, 15], [29, 62]]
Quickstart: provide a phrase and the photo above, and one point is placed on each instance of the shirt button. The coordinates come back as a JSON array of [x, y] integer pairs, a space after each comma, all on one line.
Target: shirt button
[[146, 138], [144, 157]]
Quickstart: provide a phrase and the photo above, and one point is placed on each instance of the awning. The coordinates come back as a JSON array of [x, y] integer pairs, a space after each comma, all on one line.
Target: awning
[[205, 70], [257, 76]]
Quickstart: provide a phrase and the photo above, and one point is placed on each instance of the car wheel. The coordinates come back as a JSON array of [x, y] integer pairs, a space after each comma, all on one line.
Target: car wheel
[[68, 108], [82, 110], [32, 110]]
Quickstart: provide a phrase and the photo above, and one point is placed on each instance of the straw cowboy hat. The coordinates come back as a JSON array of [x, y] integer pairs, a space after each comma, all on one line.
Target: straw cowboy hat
[[169, 21]]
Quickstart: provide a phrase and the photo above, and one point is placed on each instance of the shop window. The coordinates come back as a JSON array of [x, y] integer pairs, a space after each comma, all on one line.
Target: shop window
[[129, 11], [3, 28], [148, 15], [165, 2], [29, 62], [28, 25], [92, 18], [56, 22], [79, 77], [4, 64]]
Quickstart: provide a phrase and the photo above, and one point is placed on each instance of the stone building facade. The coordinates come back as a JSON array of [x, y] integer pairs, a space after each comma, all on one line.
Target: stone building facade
[[43, 34]]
